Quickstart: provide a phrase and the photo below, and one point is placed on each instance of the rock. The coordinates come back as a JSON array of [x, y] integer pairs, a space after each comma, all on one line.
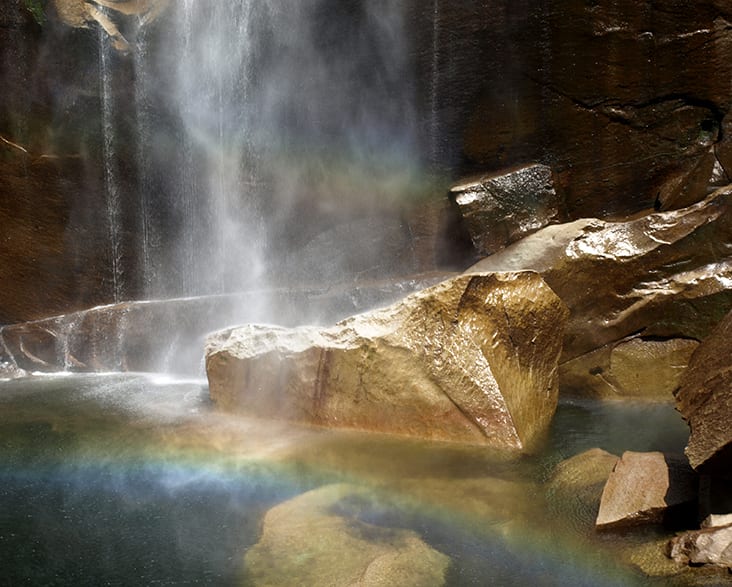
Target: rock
[[588, 470], [653, 276], [705, 401], [575, 486], [717, 520], [82, 13], [500, 209], [651, 558], [711, 546], [317, 539], [634, 367], [647, 488], [590, 89], [472, 359]]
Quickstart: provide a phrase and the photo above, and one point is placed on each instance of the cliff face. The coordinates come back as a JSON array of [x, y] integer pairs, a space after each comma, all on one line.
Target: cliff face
[[626, 101]]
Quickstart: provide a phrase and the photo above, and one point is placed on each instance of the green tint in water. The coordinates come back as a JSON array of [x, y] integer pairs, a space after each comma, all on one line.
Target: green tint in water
[[125, 480]]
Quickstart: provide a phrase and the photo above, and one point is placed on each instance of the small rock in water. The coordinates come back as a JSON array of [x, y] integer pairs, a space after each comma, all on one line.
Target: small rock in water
[[648, 488]]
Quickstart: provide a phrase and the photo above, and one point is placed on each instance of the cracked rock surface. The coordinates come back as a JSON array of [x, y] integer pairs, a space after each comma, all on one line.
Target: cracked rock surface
[[473, 359]]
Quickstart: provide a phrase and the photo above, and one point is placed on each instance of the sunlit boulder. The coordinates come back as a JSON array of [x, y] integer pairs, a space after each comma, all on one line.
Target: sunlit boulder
[[472, 359], [659, 276]]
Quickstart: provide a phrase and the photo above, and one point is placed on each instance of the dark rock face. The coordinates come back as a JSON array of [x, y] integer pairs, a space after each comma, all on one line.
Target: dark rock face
[[705, 401], [472, 359], [644, 488], [501, 209], [591, 89], [663, 275]]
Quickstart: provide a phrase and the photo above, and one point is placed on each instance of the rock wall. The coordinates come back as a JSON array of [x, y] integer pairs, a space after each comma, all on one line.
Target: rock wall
[[593, 90]]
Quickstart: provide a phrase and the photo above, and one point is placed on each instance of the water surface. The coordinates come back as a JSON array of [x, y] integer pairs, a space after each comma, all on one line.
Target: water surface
[[138, 480]]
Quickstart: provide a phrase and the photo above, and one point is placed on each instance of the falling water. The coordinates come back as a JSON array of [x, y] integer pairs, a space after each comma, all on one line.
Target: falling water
[[111, 185], [434, 84], [261, 127]]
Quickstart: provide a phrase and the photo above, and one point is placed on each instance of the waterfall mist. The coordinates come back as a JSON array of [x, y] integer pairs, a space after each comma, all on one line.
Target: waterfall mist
[[275, 143]]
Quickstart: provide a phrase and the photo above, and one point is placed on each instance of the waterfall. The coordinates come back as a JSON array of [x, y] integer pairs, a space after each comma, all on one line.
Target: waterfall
[[109, 157], [261, 128]]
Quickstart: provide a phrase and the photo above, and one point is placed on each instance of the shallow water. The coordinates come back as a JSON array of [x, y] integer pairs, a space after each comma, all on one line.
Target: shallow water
[[137, 480]]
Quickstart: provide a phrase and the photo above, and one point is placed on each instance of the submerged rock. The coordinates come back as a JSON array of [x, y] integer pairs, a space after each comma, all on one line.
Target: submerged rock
[[635, 367], [473, 359], [662, 275], [705, 401], [500, 209], [317, 539], [647, 488]]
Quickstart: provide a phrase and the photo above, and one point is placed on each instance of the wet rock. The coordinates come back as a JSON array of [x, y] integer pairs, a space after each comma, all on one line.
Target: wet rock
[[472, 359], [711, 546], [705, 401], [588, 470], [634, 367], [500, 209], [317, 539], [648, 488], [665, 274], [83, 13]]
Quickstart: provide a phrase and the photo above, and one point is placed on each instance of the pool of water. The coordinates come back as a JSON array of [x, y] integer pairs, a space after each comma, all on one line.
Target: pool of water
[[138, 480]]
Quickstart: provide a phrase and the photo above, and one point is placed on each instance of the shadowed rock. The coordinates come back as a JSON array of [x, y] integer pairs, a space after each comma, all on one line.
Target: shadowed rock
[[647, 488], [500, 209], [317, 539], [472, 359], [666, 274], [635, 367], [705, 401]]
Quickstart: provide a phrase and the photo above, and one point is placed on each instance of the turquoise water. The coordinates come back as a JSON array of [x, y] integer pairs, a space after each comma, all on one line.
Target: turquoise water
[[136, 480]]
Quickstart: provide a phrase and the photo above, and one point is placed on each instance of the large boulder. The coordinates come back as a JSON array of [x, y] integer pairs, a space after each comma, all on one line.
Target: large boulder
[[660, 275], [648, 488], [473, 359], [705, 401], [317, 539]]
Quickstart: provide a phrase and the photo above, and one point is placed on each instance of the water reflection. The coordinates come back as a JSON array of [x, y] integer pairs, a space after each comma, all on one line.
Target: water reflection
[[129, 480]]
